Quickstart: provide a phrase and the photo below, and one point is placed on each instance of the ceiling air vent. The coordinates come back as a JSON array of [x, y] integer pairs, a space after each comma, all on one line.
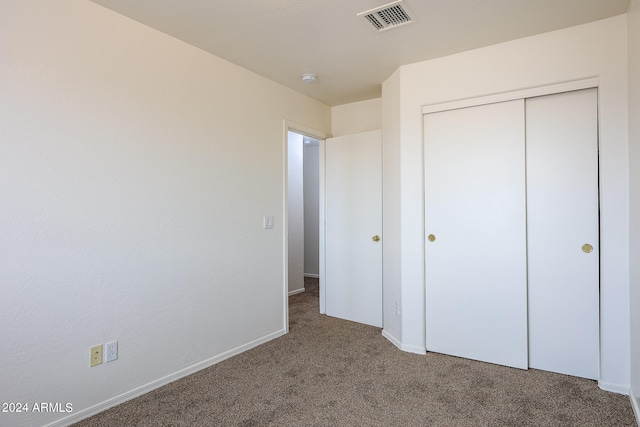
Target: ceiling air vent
[[392, 15]]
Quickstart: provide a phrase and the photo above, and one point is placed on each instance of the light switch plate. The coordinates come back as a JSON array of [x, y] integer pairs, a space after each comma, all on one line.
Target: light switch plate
[[268, 222]]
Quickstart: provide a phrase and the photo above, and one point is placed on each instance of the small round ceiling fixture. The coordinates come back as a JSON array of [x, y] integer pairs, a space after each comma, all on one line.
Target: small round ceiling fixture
[[309, 78]]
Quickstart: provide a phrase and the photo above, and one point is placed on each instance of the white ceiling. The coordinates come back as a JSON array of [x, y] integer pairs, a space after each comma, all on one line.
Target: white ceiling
[[282, 39]]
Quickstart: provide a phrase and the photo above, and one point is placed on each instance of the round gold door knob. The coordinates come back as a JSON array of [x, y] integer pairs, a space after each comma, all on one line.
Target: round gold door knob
[[376, 238], [431, 238], [587, 248]]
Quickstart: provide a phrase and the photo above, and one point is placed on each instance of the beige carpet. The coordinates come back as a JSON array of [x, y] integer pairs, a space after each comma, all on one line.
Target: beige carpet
[[331, 372]]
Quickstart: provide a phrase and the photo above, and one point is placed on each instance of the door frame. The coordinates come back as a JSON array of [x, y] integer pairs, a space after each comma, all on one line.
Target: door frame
[[291, 126], [512, 95], [587, 83]]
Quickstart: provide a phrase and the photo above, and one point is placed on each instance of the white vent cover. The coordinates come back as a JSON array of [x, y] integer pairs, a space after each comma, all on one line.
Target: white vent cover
[[389, 16]]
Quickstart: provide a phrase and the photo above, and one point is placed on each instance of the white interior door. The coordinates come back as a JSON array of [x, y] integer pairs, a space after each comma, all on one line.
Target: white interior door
[[476, 295], [562, 207], [353, 216]]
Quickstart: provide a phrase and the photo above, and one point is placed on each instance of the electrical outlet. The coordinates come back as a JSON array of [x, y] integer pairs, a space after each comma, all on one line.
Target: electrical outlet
[[111, 351], [96, 355]]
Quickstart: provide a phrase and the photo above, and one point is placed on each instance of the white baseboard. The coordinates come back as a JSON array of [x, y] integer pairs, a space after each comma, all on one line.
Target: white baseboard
[[635, 404], [391, 338], [297, 291], [413, 349], [614, 388], [95, 409], [408, 348], [315, 276]]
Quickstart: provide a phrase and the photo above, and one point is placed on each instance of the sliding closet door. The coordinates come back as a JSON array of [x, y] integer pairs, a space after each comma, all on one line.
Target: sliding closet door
[[562, 211], [476, 296]]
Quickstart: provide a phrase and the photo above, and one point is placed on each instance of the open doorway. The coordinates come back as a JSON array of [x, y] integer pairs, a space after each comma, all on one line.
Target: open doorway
[[303, 207], [353, 183], [297, 245]]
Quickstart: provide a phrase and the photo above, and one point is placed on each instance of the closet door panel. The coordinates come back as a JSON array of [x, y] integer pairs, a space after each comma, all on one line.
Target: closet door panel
[[476, 298], [562, 216]]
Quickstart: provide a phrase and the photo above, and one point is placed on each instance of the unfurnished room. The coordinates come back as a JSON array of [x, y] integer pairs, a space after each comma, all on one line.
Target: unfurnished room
[[303, 213]]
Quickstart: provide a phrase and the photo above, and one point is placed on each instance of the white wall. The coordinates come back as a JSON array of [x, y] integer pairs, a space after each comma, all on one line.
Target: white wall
[[135, 173], [634, 192], [596, 49], [295, 202], [392, 258], [311, 166], [356, 117]]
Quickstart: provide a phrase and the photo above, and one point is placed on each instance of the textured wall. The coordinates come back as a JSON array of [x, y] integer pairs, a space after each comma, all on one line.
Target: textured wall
[[634, 192], [311, 208], [135, 171], [295, 202], [356, 117]]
